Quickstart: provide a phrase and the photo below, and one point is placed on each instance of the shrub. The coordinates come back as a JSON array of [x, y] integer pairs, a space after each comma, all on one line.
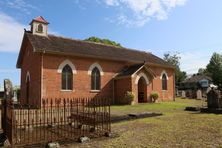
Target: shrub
[[154, 96], [129, 96]]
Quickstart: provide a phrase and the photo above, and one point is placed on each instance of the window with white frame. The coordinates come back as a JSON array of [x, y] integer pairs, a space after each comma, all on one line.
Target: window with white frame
[[164, 82], [95, 79], [67, 78]]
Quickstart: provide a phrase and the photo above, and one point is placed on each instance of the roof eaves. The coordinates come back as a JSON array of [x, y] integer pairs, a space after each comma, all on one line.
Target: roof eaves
[[18, 63], [137, 70]]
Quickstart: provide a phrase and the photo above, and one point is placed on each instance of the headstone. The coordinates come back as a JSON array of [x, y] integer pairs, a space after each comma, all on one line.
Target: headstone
[[7, 143], [8, 89], [199, 94], [214, 99], [53, 145], [15, 97], [84, 139], [183, 94], [177, 93], [108, 134], [208, 90]]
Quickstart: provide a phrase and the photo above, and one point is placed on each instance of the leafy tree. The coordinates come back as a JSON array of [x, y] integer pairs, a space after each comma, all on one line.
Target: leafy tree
[[215, 69], [104, 41], [201, 71], [174, 59]]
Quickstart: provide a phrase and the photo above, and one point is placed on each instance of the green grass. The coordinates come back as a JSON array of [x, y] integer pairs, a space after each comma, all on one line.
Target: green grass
[[171, 106], [176, 128]]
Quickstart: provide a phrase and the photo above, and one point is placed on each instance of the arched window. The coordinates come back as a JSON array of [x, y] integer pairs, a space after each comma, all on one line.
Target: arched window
[[40, 28], [164, 82], [67, 78], [27, 87], [95, 79]]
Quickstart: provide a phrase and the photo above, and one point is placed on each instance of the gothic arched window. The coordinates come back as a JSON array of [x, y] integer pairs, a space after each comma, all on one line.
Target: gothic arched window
[[67, 78], [95, 79], [164, 82]]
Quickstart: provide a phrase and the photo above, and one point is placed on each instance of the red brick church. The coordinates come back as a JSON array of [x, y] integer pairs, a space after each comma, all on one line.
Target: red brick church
[[59, 67]]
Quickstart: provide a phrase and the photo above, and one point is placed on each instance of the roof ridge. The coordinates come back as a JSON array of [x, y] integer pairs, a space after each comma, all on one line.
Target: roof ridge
[[125, 48]]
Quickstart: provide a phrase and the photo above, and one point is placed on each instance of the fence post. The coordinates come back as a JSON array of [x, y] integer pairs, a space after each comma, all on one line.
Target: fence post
[[12, 122], [44, 121], [3, 113]]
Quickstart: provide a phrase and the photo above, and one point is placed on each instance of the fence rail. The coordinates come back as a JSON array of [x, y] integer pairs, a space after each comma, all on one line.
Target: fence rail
[[56, 120]]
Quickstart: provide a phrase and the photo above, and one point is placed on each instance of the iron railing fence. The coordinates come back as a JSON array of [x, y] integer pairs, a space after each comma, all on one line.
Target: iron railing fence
[[56, 120]]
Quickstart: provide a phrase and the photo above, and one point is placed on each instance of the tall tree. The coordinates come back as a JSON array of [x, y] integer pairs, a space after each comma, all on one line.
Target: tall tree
[[174, 59], [201, 70], [104, 41], [215, 69]]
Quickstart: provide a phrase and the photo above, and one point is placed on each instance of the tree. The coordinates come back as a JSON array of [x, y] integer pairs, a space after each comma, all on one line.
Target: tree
[[201, 71], [174, 59], [103, 41], [215, 69]]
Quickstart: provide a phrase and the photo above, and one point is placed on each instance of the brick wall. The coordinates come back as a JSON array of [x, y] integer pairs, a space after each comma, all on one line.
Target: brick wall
[[157, 83], [49, 85], [121, 87], [81, 80], [31, 63]]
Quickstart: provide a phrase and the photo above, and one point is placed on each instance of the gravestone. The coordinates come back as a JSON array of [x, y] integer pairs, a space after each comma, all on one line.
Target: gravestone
[[208, 90], [199, 94], [214, 99], [183, 94], [15, 96], [8, 89]]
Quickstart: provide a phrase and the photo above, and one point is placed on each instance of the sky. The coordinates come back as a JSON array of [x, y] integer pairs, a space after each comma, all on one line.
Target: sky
[[192, 28]]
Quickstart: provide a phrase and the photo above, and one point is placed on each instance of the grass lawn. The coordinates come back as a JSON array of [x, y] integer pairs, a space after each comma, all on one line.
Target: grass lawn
[[175, 128]]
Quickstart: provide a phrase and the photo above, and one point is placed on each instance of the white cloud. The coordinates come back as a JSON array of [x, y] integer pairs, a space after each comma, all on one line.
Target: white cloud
[[8, 70], [192, 60], [112, 2], [144, 10], [11, 33], [20, 5]]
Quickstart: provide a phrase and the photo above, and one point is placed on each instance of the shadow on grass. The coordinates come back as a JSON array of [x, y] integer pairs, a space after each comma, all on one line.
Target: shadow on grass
[[204, 110], [127, 117]]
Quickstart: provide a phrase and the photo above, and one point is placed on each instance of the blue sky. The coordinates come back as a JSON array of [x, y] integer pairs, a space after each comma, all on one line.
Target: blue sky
[[191, 27]]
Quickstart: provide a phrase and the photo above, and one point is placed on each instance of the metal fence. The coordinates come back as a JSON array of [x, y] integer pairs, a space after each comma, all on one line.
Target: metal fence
[[57, 120]]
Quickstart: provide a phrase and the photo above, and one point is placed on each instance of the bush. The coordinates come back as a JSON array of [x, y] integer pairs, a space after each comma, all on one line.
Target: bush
[[154, 96], [129, 96]]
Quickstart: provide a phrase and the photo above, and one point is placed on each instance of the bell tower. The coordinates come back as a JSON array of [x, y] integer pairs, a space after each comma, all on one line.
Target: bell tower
[[39, 26]]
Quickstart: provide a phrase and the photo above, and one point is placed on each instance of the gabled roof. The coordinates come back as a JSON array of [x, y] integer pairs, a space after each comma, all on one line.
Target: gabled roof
[[66, 46], [131, 70], [40, 19], [128, 71], [196, 78]]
